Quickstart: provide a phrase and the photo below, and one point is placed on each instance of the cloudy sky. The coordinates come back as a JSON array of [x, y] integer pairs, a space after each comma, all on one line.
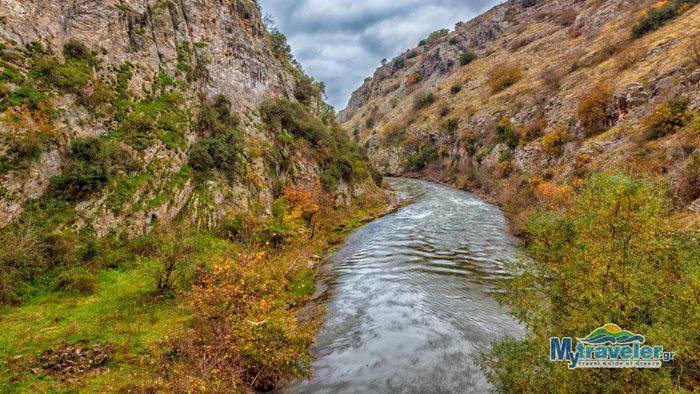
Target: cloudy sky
[[341, 42]]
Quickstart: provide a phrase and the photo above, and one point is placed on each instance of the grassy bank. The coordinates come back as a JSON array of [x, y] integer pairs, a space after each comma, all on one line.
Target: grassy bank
[[181, 309]]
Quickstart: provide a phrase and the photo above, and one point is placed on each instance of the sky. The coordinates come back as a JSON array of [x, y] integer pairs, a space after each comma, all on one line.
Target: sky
[[342, 42]]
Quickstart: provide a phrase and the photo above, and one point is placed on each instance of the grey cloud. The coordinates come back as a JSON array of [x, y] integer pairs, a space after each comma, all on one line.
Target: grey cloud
[[341, 42]]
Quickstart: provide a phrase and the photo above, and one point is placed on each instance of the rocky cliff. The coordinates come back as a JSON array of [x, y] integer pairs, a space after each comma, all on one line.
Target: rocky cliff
[[147, 83], [536, 92]]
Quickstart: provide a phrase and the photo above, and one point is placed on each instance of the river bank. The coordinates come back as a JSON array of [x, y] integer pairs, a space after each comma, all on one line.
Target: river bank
[[124, 333]]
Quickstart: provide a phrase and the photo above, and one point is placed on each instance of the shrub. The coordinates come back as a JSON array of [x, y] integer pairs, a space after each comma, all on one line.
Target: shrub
[[223, 153], [667, 118], [506, 133], [432, 37], [553, 142], [658, 16], [86, 172], [216, 118], [567, 17], [74, 49], [21, 259], [503, 76], [593, 107], [411, 54], [77, 280], [423, 100], [413, 79], [418, 160], [585, 250], [575, 32], [243, 335], [466, 58], [175, 254], [528, 3], [450, 126], [456, 88], [530, 131], [399, 63], [444, 111], [306, 89]]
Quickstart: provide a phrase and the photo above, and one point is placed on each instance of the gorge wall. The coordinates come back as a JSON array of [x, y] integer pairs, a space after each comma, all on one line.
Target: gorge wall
[[158, 79], [542, 92]]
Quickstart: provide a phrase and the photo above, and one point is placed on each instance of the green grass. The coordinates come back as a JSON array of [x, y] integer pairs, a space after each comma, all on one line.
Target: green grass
[[122, 312]]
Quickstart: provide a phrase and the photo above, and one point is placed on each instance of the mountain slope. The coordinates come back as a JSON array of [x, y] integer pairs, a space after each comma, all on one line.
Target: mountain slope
[[152, 77], [537, 93]]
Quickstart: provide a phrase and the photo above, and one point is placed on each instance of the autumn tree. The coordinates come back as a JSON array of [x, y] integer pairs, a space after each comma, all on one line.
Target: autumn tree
[[609, 255]]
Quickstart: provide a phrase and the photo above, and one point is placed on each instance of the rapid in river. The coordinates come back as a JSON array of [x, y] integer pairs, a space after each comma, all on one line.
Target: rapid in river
[[409, 297]]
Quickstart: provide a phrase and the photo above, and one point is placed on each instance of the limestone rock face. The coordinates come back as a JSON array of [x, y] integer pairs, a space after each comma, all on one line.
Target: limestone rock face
[[225, 36], [203, 49]]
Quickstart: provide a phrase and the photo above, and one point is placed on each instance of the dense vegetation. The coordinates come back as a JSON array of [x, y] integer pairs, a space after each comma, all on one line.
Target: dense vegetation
[[610, 254]]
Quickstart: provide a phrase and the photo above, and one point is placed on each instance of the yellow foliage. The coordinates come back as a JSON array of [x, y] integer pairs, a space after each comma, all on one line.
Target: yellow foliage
[[554, 141]]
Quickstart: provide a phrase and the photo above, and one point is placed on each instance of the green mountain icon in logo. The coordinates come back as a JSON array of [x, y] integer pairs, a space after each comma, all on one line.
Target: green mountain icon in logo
[[613, 334]]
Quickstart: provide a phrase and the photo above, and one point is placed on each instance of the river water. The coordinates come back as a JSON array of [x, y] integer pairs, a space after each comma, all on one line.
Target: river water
[[408, 297]]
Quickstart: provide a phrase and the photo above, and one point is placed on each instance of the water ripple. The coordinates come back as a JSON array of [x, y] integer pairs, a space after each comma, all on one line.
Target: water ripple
[[409, 297]]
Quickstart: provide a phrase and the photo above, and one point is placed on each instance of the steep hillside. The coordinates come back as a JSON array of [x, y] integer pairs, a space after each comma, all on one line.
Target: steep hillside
[[148, 79], [534, 94], [170, 179]]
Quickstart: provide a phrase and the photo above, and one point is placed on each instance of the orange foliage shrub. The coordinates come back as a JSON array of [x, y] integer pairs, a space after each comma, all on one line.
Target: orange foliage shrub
[[242, 336], [592, 108], [554, 195], [413, 79], [306, 199]]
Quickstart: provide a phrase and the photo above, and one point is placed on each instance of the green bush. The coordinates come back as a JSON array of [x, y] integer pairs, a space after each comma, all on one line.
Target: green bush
[[411, 54], [74, 49], [25, 95], [456, 88], [506, 133], [223, 153], [216, 118], [467, 58], [667, 118], [424, 100], [418, 160], [610, 254], [657, 17], [77, 280], [21, 259], [306, 89], [432, 37], [86, 172]]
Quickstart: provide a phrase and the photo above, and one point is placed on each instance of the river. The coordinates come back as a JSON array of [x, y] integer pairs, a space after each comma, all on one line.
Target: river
[[408, 297]]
